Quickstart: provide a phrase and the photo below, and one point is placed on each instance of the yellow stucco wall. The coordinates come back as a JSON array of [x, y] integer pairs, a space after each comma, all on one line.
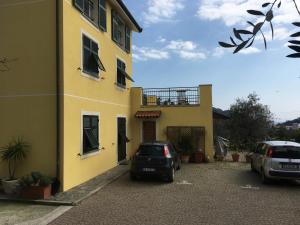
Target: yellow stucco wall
[[198, 115], [27, 90], [84, 94]]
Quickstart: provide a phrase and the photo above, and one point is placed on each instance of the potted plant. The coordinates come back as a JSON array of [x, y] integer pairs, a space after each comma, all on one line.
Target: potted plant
[[13, 153], [186, 147], [36, 186]]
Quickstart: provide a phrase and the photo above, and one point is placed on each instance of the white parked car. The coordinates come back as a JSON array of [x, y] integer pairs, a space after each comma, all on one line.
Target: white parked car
[[277, 160]]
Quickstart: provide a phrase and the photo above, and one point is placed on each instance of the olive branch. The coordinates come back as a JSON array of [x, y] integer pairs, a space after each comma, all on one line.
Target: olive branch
[[245, 38]]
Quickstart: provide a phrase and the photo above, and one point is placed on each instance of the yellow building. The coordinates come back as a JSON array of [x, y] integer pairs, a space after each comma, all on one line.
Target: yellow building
[[66, 83]]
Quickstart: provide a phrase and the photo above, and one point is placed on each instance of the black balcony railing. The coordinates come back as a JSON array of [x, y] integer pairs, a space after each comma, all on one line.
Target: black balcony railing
[[171, 96]]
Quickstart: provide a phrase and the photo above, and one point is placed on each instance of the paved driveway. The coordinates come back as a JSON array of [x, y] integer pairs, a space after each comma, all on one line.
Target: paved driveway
[[217, 193]]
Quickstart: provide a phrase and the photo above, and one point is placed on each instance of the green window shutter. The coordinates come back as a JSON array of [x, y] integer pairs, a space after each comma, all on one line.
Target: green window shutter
[[102, 14], [79, 4], [127, 39], [114, 24]]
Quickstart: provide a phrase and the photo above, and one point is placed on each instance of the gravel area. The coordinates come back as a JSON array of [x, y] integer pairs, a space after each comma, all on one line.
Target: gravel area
[[215, 193]]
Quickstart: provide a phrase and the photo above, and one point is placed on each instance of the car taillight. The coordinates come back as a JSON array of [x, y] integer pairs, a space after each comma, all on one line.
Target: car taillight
[[167, 152], [269, 152]]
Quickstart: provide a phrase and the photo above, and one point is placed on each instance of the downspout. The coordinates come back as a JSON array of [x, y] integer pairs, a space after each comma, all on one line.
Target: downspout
[[57, 92]]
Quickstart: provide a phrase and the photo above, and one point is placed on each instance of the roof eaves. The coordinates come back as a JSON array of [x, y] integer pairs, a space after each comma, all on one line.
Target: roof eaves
[[127, 12]]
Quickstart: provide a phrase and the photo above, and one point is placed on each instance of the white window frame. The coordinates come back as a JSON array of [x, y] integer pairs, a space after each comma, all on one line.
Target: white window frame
[[96, 152], [81, 55]]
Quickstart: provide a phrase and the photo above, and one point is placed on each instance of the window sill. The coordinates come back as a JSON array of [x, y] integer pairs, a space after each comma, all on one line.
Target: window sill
[[90, 154], [90, 75], [121, 47], [91, 22], [121, 87]]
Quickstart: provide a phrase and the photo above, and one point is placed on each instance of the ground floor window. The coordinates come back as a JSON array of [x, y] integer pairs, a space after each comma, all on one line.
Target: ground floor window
[[90, 134]]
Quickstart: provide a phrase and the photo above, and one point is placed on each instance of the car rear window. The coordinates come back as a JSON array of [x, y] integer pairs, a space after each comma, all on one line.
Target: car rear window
[[151, 150], [290, 152]]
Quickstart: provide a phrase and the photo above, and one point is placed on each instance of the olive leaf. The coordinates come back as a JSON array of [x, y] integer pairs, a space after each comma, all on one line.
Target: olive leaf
[[255, 12], [226, 45], [296, 24], [295, 34], [272, 29], [295, 42], [237, 34], [295, 48], [295, 55], [266, 4], [279, 4], [240, 46], [269, 15], [257, 27]]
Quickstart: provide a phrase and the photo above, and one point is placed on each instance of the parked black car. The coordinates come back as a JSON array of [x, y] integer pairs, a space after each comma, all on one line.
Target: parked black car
[[156, 158]]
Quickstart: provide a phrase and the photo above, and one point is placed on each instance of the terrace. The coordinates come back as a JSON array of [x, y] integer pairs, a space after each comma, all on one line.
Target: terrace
[[176, 96]]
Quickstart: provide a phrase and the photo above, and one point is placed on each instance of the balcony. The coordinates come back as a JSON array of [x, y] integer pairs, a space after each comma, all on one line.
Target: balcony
[[183, 96]]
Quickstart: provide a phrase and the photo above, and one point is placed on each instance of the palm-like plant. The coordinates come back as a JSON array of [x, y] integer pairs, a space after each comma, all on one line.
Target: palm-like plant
[[14, 151]]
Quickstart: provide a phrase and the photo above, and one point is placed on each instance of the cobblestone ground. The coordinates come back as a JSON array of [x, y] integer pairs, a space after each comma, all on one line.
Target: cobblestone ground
[[216, 193]]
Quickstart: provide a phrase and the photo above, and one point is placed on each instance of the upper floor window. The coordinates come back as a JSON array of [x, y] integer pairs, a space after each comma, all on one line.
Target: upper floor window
[[91, 60], [121, 79], [94, 10], [120, 32], [121, 74]]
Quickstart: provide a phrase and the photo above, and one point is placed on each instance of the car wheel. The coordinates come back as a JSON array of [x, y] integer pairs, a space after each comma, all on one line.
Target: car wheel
[[171, 175], [179, 165], [264, 179], [133, 176]]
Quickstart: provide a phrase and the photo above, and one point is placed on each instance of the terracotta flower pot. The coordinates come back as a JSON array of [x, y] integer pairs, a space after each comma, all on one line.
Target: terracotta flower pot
[[235, 157], [185, 158], [36, 192], [248, 158], [219, 158], [199, 157]]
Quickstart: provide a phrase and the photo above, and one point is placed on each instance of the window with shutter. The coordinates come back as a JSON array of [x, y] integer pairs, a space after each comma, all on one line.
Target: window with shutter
[[102, 14], [127, 39], [90, 134], [91, 60]]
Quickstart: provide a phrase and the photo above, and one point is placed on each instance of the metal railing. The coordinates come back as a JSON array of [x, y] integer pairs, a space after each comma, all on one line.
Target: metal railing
[[170, 96]]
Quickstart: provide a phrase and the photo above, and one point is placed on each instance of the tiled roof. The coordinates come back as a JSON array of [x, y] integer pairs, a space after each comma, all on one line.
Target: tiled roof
[[148, 114]]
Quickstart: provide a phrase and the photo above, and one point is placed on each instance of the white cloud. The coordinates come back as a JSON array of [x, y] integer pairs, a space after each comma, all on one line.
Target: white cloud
[[182, 45], [233, 12], [161, 39], [187, 50], [191, 55], [162, 10], [219, 51], [145, 53], [250, 50]]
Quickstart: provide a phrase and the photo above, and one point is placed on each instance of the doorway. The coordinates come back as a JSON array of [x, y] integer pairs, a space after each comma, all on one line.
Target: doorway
[[149, 131], [122, 139]]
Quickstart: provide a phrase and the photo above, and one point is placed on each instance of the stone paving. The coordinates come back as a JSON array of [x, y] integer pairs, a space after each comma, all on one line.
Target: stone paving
[[217, 193], [78, 193], [13, 213]]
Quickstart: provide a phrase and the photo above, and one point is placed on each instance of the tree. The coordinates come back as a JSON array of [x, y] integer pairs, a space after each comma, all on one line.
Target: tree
[[245, 38], [249, 122]]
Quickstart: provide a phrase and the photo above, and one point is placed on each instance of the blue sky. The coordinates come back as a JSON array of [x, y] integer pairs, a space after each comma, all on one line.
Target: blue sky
[[179, 47]]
